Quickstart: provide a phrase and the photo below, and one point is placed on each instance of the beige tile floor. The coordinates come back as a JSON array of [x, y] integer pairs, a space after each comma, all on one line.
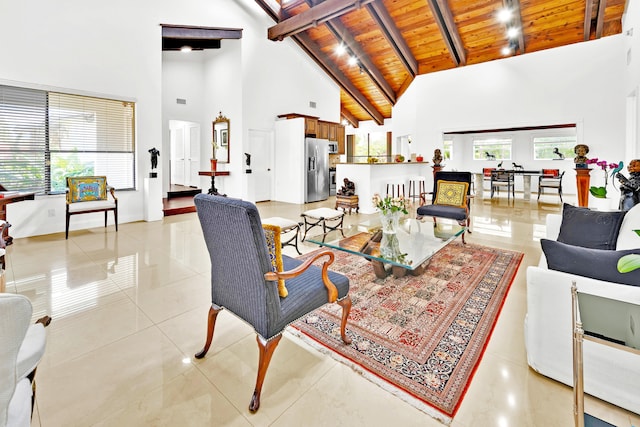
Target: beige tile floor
[[130, 309]]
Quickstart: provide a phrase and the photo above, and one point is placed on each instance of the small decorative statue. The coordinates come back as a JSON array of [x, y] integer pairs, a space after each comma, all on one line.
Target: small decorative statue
[[517, 166], [154, 157], [437, 157], [348, 189], [630, 187], [581, 151], [489, 156], [557, 152]]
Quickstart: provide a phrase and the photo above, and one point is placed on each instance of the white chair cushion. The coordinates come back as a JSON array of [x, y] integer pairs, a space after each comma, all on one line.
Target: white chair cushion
[[325, 213], [19, 411], [88, 206], [280, 222], [31, 350]]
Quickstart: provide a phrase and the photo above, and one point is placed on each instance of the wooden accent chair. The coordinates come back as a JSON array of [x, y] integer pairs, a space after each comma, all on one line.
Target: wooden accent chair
[[451, 198], [86, 194], [245, 281], [550, 178]]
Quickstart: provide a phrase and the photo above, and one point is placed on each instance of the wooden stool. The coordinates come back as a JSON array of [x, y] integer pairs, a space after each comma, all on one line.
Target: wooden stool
[[417, 188], [395, 189], [286, 226], [320, 217], [347, 202]]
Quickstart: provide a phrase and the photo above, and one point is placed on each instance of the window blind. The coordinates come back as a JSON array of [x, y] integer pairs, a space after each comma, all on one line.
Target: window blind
[[23, 124]]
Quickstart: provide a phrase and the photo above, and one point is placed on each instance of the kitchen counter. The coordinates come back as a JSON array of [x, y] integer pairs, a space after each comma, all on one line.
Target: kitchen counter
[[372, 178]]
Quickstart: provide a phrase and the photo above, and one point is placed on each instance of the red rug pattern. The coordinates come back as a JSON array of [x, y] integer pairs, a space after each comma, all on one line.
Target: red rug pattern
[[424, 335]]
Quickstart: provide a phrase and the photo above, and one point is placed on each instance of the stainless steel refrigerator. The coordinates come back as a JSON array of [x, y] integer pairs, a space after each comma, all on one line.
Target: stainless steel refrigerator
[[316, 154]]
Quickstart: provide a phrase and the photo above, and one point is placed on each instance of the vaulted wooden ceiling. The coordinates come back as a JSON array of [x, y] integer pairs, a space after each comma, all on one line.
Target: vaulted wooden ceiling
[[393, 41]]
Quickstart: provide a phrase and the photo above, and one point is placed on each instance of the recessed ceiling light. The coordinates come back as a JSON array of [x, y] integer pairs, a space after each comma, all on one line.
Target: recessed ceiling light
[[185, 49], [352, 60], [504, 15], [512, 32], [340, 49]]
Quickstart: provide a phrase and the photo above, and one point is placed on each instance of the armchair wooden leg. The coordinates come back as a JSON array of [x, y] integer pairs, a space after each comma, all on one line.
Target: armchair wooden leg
[[345, 303], [213, 314], [266, 351]]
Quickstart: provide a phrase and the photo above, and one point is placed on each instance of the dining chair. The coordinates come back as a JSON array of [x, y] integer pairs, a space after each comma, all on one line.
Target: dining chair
[[550, 178], [503, 179], [252, 278]]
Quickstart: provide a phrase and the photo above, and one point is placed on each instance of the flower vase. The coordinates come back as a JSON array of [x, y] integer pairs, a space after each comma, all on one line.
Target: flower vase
[[389, 245], [390, 221], [214, 165]]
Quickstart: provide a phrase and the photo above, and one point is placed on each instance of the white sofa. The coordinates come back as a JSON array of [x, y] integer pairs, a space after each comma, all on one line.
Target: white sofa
[[610, 374]]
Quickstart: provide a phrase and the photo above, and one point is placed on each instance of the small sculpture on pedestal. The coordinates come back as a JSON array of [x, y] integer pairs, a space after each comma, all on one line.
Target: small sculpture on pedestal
[[154, 161], [581, 159], [437, 157], [348, 189], [630, 187]]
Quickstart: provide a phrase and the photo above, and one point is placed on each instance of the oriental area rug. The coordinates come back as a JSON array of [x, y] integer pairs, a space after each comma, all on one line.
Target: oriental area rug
[[419, 337]]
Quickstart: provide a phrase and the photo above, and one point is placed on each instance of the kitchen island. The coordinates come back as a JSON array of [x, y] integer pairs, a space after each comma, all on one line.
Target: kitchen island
[[372, 178]]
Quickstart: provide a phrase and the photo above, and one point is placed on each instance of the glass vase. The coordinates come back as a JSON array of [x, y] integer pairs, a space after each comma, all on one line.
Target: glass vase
[[390, 222]]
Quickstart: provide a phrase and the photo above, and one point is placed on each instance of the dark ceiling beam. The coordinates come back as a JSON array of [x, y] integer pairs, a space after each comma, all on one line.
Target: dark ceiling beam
[[600, 18], [187, 32], [334, 72], [313, 17], [388, 27], [341, 33], [517, 22], [587, 19], [449, 30], [349, 117]]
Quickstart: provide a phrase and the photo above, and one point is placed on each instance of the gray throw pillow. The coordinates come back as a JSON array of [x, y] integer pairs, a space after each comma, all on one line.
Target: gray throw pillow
[[590, 229], [600, 264]]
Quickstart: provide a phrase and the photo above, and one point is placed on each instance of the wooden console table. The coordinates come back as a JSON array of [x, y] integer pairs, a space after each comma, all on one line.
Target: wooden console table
[[213, 190]]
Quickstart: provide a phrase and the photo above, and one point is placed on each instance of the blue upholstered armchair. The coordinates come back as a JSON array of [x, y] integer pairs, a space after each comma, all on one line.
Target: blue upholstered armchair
[[243, 279], [451, 198]]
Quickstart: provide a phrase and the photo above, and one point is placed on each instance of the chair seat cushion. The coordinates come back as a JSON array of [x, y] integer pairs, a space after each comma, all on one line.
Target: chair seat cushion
[[19, 410], [31, 350], [307, 292], [443, 211], [325, 213], [89, 206]]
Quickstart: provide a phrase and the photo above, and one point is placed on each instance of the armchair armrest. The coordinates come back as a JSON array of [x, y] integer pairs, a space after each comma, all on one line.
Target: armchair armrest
[[332, 291], [112, 191]]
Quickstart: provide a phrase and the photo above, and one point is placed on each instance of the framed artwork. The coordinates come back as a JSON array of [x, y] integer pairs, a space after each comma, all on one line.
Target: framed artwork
[[223, 136]]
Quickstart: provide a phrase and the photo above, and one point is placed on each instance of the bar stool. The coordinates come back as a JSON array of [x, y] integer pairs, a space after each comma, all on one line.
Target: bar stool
[[395, 188], [417, 188], [320, 217], [287, 226]]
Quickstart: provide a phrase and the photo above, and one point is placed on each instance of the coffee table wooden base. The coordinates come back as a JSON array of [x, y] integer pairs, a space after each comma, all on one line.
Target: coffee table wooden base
[[381, 270]]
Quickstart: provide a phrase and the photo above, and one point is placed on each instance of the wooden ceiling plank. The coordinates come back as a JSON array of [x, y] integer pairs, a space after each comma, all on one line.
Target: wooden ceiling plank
[[314, 16], [600, 18], [345, 84], [587, 19], [449, 34], [389, 29], [349, 117], [343, 34]]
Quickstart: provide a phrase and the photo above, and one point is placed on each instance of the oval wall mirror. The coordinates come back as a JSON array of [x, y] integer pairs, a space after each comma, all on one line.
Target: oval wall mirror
[[221, 139]]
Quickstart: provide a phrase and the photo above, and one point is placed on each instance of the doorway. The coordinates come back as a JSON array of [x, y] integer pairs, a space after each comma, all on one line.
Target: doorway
[[260, 151], [184, 163]]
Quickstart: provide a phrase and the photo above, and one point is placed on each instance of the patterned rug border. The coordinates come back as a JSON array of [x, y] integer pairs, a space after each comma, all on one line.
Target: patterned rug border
[[405, 395]]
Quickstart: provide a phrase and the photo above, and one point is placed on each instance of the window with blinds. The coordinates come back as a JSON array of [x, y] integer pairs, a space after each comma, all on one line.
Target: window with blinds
[[47, 136]]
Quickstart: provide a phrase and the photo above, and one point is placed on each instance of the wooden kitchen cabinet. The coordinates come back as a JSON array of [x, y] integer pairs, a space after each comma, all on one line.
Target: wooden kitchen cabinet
[[333, 132], [340, 138], [323, 130]]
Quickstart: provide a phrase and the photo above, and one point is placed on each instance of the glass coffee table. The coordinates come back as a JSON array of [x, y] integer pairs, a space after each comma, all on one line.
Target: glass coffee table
[[407, 251]]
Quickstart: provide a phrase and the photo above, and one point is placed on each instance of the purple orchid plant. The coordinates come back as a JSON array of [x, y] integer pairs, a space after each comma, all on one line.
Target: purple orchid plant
[[601, 192]]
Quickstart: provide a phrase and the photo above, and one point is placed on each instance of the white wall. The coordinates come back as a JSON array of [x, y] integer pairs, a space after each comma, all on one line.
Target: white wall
[[631, 35], [583, 83], [114, 50]]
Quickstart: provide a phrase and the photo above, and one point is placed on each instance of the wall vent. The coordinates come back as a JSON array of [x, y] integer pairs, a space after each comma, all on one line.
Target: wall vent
[[312, 104], [181, 101]]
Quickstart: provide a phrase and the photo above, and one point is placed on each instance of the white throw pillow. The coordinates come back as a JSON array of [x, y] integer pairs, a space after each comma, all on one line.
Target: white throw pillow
[[627, 238]]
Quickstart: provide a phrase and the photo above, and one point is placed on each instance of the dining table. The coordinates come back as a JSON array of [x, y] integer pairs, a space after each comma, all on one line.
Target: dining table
[[526, 180]]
